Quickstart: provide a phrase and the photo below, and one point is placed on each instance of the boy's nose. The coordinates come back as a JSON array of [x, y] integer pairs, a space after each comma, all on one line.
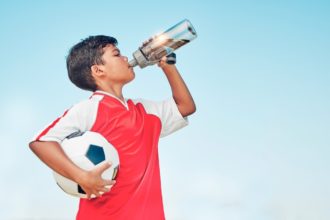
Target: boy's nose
[[125, 58]]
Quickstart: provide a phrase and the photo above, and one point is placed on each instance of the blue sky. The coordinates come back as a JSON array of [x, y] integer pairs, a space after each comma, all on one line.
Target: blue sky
[[258, 146]]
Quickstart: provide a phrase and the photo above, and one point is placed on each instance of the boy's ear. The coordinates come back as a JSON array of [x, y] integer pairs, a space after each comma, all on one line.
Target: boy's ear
[[96, 70]]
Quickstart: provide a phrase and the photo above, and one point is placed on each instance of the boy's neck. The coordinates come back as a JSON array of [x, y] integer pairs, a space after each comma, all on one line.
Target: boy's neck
[[115, 92]]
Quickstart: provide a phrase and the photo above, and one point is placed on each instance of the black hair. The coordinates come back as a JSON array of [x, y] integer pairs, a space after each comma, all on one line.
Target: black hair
[[82, 56]]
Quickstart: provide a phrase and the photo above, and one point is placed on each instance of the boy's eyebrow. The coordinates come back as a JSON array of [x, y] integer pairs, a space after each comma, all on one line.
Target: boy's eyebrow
[[116, 50]]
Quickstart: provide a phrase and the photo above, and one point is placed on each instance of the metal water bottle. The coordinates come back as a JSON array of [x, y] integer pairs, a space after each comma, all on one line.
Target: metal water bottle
[[163, 44]]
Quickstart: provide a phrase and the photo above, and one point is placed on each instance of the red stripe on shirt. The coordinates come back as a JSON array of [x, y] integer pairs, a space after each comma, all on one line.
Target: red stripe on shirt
[[50, 126]]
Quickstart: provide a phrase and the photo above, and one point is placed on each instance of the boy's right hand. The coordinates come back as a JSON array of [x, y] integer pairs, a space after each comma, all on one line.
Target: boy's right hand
[[92, 182]]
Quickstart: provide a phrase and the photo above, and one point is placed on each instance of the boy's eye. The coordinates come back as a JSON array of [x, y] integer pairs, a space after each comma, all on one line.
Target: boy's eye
[[117, 55]]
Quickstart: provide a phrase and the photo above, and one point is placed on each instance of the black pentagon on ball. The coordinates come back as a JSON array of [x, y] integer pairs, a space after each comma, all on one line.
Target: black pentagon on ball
[[80, 190], [95, 154]]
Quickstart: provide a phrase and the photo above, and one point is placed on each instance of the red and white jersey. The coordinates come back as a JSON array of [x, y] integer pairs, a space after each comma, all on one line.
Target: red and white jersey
[[133, 128]]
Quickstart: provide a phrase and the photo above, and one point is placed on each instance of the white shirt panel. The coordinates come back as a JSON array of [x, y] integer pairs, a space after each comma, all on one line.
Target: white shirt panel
[[79, 118], [168, 113]]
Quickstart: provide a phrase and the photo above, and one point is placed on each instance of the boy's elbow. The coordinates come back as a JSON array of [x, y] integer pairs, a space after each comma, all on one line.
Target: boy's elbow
[[33, 145], [188, 110], [192, 109]]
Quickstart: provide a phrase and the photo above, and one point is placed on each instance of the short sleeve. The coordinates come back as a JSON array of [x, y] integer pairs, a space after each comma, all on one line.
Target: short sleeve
[[168, 113], [79, 118]]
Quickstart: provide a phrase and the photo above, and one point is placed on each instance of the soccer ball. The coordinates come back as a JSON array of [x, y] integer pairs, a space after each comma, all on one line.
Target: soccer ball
[[87, 150]]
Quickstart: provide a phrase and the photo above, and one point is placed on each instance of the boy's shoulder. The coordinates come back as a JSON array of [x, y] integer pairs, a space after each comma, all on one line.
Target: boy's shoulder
[[86, 105]]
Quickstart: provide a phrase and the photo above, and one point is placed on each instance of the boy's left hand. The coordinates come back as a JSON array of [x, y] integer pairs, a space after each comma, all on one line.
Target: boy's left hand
[[168, 60]]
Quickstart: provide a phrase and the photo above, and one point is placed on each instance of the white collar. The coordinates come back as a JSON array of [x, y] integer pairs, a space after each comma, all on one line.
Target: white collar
[[113, 96]]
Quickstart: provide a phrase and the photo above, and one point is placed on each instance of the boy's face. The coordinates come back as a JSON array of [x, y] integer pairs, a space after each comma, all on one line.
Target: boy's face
[[115, 67]]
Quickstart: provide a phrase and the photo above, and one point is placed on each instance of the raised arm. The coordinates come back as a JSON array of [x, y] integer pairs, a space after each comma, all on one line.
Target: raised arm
[[180, 91]]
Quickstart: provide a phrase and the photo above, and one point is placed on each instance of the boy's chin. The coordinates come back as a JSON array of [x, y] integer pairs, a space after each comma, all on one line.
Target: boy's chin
[[133, 75], [131, 78]]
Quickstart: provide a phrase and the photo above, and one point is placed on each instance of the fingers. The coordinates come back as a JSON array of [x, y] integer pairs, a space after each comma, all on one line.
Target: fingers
[[98, 193], [109, 182], [100, 169], [100, 189], [162, 62], [90, 196], [93, 195], [95, 185], [168, 60]]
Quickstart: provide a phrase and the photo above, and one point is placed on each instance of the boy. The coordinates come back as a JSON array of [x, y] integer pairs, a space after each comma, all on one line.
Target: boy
[[132, 127]]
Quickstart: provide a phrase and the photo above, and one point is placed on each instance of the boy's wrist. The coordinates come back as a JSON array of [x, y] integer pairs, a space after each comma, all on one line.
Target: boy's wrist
[[79, 176], [169, 69]]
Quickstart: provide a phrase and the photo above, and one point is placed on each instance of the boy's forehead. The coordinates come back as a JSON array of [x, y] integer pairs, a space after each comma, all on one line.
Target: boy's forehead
[[110, 47]]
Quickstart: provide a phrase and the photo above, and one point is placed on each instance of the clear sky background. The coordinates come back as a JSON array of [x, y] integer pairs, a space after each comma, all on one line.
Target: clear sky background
[[258, 147]]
